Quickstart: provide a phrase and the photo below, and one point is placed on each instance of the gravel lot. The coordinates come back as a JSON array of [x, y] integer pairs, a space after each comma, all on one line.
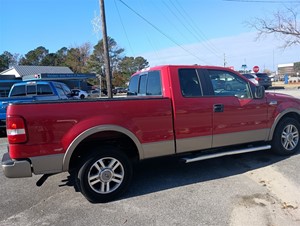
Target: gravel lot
[[249, 189]]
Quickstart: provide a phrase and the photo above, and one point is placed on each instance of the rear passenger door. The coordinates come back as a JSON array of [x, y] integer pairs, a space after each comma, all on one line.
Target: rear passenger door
[[192, 110]]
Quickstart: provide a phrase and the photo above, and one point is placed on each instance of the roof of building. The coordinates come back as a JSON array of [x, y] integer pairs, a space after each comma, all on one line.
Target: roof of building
[[23, 70], [286, 65]]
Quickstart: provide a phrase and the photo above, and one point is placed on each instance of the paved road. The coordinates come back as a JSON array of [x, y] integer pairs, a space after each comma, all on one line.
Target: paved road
[[249, 189]]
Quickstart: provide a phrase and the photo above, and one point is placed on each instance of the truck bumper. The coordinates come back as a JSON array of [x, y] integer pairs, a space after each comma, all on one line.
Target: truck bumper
[[35, 165], [15, 168]]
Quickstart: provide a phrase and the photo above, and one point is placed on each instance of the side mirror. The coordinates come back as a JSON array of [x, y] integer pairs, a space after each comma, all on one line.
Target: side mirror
[[259, 92]]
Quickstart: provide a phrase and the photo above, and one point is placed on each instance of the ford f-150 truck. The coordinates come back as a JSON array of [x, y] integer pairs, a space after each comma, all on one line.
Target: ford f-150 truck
[[197, 112], [32, 91]]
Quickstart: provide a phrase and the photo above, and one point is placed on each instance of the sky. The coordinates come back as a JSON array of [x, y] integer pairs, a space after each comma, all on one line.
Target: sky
[[205, 32]]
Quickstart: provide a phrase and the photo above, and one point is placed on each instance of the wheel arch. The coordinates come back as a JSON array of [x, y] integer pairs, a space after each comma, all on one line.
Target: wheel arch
[[291, 113], [102, 135]]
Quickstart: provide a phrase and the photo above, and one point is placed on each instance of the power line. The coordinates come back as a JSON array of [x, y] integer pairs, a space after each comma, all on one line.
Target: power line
[[123, 27], [196, 32], [261, 1], [160, 31]]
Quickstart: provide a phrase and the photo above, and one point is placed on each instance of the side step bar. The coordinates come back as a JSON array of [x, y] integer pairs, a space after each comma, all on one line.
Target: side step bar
[[220, 154]]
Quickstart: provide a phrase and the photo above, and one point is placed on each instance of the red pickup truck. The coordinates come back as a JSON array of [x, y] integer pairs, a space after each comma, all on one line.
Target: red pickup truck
[[198, 112]]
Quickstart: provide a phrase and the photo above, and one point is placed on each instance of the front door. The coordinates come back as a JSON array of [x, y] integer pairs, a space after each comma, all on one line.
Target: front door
[[237, 116]]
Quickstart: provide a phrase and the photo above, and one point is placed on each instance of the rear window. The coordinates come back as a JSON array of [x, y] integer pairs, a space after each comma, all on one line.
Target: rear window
[[27, 90], [145, 84], [44, 89], [262, 75], [18, 91], [248, 76]]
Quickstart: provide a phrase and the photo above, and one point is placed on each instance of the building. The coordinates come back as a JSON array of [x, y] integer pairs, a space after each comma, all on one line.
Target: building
[[21, 70], [288, 69], [24, 73]]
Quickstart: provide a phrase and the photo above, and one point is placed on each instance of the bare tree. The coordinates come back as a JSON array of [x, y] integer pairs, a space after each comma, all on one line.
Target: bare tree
[[283, 25]]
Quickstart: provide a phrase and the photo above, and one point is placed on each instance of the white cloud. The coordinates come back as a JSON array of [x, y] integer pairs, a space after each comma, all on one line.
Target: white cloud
[[238, 50]]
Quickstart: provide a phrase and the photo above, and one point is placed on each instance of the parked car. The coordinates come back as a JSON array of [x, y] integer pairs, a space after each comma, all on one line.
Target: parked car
[[79, 94], [33, 91], [252, 78], [264, 80], [119, 90], [96, 93]]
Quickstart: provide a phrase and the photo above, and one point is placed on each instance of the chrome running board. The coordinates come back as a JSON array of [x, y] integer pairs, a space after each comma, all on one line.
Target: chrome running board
[[220, 154]]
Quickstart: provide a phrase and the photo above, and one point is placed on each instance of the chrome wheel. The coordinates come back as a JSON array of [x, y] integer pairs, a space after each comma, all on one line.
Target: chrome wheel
[[106, 175], [290, 137], [286, 137]]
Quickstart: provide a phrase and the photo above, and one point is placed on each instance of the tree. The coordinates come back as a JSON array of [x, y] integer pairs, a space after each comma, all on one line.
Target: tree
[[3, 62], [283, 25], [73, 60], [7, 59], [85, 52], [77, 58], [120, 79], [34, 57], [49, 60], [297, 67], [95, 63], [131, 64], [61, 56], [96, 60], [127, 67]]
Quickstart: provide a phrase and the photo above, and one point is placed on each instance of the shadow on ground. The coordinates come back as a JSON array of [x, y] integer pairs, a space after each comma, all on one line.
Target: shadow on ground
[[156, 175]]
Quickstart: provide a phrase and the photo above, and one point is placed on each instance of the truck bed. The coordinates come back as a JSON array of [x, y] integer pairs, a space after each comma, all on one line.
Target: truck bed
[[61, 122]]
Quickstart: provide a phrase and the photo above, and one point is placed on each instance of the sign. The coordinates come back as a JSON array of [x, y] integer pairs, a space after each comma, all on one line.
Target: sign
[[256, 69], [49, 76]]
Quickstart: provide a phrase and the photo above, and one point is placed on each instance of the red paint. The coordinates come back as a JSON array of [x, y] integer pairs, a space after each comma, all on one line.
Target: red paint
[[51, 127]]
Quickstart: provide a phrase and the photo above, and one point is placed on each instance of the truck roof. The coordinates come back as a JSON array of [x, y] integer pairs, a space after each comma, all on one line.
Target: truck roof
[[182, 66], [33, 83]]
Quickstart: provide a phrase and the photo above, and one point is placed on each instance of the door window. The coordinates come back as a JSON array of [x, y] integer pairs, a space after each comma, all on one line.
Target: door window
[[225, 83], [190, 83]]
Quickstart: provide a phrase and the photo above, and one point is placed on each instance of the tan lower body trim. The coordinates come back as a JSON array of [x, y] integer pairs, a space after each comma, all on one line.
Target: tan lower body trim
[[157, 149], [240, 137], [47, 164], [220, 140], [193, 144]]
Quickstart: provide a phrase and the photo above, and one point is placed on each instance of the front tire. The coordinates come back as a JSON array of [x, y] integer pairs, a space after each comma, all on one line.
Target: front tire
[[286, 137], [104, 176]]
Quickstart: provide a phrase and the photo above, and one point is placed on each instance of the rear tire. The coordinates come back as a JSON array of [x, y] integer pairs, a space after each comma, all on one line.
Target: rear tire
[[286, 137], [105, 175]]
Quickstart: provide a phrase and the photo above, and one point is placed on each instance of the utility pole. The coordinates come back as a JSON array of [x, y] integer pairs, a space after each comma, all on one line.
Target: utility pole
[[225, 60], [108, 73]]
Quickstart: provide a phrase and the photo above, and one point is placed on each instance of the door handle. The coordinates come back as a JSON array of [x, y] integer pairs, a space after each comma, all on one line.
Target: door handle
[[218, 107]]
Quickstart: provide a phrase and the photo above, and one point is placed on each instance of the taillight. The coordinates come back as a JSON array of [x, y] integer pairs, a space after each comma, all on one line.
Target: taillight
[[257, 79], [15, 129]]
